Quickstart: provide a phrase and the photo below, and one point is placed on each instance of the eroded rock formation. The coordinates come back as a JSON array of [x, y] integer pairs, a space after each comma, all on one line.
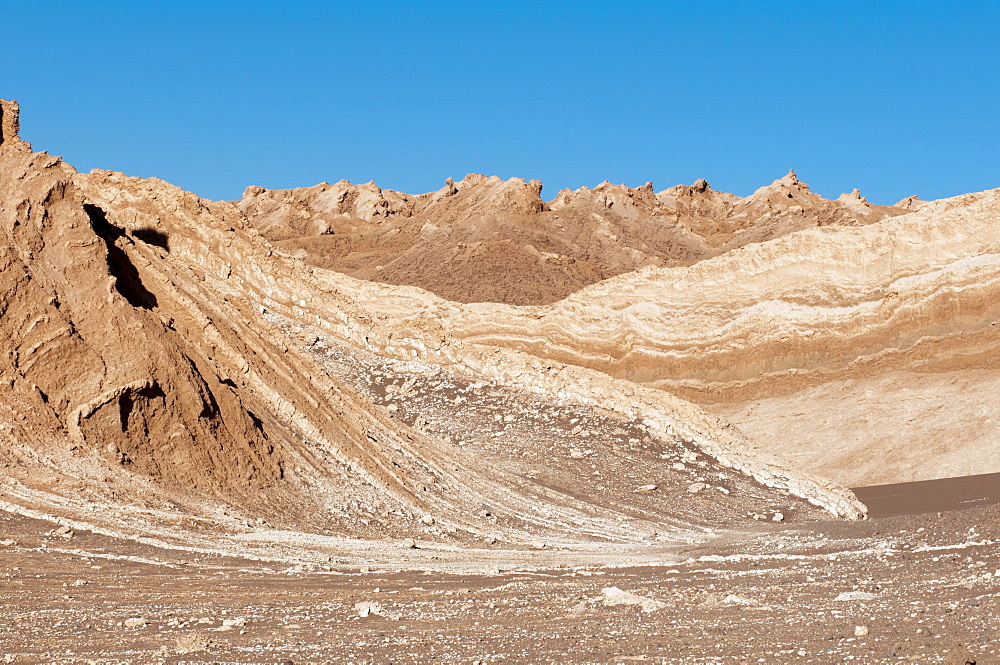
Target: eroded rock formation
[[489, 240], [159, 354], [866, 354]]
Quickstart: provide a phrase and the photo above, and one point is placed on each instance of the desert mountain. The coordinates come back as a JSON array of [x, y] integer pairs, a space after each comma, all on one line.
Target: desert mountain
[[856, 339], [484, 239], [865, 354], [165, 365]]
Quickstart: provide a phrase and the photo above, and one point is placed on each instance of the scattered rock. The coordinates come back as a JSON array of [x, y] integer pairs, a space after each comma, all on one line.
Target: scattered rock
[[192, 643], [733, 599], [860, 631], [615, 596], [897, 650], [855, 595], [135, 622], [694, 488], [368, 608], [959, 655], [646, 488], [778, 517]]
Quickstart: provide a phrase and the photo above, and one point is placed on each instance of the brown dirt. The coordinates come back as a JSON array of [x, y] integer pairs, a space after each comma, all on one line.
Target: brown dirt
[[920, 585]]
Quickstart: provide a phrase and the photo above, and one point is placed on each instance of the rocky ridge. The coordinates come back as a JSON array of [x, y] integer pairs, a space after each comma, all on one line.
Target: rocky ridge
[[165, 363], [483, 239], [824, 344]]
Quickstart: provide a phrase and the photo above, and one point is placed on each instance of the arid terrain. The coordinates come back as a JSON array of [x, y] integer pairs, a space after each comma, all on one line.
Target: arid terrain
[[347, 424], [895, 589], [483, 239]]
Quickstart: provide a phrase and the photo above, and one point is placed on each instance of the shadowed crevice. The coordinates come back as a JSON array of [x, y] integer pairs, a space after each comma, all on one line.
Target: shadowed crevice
[[126, 403], [127, 280], [152, 237]]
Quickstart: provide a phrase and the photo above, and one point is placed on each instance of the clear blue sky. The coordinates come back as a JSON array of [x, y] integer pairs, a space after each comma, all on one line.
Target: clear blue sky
[[895, 98]]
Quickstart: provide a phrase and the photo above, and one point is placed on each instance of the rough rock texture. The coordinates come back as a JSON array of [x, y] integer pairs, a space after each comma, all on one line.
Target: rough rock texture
[[160, 355], [10, 126], [866, 354], [489, 240]]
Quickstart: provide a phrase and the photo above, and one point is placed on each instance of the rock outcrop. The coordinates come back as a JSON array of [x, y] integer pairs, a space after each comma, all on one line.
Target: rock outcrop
[[488, 240], [10, 127], [866, 354], [159, 354]]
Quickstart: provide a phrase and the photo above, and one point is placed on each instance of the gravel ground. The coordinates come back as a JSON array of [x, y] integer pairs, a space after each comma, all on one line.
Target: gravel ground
[[921, 588]]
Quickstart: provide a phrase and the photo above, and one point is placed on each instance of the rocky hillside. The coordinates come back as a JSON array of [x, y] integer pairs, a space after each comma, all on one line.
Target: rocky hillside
[[165, 366], [855, 339], [488, 240], [865, 354]]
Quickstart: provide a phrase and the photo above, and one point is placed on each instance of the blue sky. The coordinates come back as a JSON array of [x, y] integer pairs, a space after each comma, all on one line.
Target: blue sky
[[895, 98]]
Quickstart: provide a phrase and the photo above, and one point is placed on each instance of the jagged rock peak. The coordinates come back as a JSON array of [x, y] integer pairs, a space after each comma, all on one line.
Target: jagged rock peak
[[787, 183], [853, 196], [789, 179], [700, 187], [911, 203], [10, 125]]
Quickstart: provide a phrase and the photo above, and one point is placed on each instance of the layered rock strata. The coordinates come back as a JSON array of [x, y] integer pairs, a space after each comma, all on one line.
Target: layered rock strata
[[161, 353], [892, 316]]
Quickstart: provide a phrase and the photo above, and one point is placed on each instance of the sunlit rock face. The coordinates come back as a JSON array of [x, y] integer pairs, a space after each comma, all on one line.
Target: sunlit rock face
[[483, 239], [866, 354], [166, 369]]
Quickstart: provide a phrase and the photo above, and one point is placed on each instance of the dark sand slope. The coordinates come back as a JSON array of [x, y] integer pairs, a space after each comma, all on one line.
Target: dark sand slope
[[928, 496]]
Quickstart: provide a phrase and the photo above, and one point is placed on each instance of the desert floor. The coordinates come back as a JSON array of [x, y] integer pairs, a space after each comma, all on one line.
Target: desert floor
[[922, 588]]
